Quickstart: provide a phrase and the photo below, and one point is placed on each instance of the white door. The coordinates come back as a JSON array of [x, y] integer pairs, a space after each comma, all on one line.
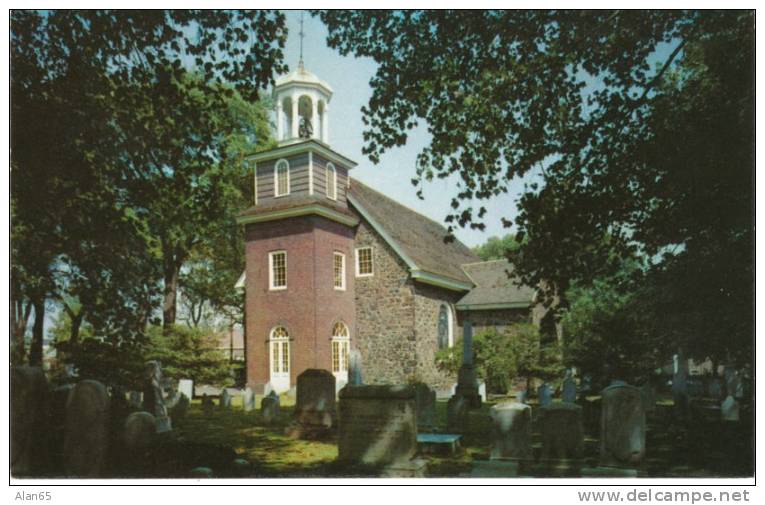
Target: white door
[[279, 352], [341, 345]]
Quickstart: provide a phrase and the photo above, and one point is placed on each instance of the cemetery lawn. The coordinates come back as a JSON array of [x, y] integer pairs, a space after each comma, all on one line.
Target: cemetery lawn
[[706, 448]]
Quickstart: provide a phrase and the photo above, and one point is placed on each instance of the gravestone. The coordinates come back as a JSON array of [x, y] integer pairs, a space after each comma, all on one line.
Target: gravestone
[[207, 404], [467, 379], [568, 393], [29, 420], [426, 406], [248, 400], [269, 408], [224, 400], [680, 388], [622, 426], [153, 396], [180, 408], [377, 425], [355, 377], [482, 390], [186, 386], [135, 399], [139, 432], [315, 407], [57, 424], [457, 409], [729, 409], [201, 472], [511, 431], [562, 431], [87, 430], [544, 395]]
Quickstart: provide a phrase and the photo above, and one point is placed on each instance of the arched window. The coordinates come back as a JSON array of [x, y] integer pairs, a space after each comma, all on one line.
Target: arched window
[[280, 354], [282, 178], [445, 327], [331, 181], [340, 349]]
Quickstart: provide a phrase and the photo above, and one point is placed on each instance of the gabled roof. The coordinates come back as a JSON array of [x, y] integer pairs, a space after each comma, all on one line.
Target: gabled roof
[[419, 241], [495, 287]]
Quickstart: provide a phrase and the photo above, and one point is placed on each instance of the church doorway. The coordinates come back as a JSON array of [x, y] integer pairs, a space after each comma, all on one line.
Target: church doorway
[[341, 344], [279, 347]]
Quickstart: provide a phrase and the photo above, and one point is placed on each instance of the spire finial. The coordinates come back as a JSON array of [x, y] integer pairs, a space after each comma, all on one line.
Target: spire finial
[[302, 35]]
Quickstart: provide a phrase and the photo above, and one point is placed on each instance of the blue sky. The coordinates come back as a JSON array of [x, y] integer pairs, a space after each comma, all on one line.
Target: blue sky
[[349, 78]]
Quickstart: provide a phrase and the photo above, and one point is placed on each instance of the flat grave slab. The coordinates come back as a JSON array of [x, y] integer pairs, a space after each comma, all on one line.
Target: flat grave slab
[[439, 443]]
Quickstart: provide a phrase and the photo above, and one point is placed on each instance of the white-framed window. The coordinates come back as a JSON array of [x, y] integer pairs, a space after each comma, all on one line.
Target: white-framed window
[[282, 178], [338, 267], [364, 262], [331, 181], [277, 270], [341, 344], [445, 327]]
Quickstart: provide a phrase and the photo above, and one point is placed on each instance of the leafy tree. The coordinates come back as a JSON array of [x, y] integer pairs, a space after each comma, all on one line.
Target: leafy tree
[[501, 356], [634, 130], [122, 120], [496, 248]]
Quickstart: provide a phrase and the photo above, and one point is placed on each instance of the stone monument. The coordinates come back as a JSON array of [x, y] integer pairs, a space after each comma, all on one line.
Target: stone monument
[[315, 407], [562, 431], [426, 406], [86, 436], [29, 402], [467, 380], [153, 397], [269, 408], [511, 431], [622, 427]]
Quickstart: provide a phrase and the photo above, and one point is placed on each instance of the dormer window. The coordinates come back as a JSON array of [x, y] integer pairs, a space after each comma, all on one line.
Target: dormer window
[[331, 181], [282, 178]]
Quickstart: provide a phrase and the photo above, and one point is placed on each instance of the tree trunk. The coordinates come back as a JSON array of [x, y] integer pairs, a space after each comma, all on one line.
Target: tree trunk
[[170, 300], [36, 348], [74, 332], [20, 313]]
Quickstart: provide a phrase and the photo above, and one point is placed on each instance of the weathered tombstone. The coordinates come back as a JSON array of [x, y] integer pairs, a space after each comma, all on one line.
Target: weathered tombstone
[[140, 430], [153, 397], [315, 407], [269, 408], [186, 386], [568, 393], [207, 404], [224, 400], [180, 407], [201, 472], [457, 409], [426, 406], [680, 388], [622, 427], [57, 425], [377, 425], [355, 375], [544, 395], [562, 430], [511, 431], [29, 402], [729, 409], [135, 399], [482, 390], [87, 429], [248, 400]]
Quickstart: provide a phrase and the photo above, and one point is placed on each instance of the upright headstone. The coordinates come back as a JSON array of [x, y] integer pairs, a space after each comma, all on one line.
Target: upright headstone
[[248, 400], [315, 407], [562, 430], [355, 374], [224, 400], [140, 430], [57, 425], [207, 404], [180, 407], [511, 431], [29, 422], [680, 387], [269, 408], [135, 399], [153, 396], [186, 386], [87, 429], [467, 380], [426, 406], [377, 425], [544, 395], [568, 393], [729, 409], [457, 409], [622, 426]]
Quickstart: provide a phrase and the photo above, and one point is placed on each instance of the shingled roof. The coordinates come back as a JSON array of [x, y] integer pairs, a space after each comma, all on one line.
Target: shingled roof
[[417, 239], [495, 286]]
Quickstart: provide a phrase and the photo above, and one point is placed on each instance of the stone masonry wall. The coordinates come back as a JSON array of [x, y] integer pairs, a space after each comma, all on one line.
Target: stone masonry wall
[[385, 334]]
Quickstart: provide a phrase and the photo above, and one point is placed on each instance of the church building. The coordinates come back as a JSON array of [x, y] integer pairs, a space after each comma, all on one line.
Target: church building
[[332, 264]]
